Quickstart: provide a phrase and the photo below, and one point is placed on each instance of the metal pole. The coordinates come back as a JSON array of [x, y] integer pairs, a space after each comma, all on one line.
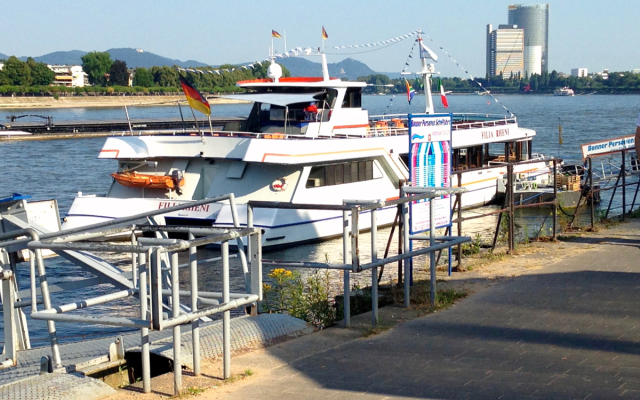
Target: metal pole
[[195, 324], [134, 261], [433, 295], [196, 120], [128, 120], [10, 331], [144, 332], [355, 236], [226, 316], [591, 193], [405, 249], [175, 302], [635, 196], [346, 277], [374, 270], [210, 125], [184, 127], [46, 300], [459, 195], [613, 194], [510, 193], [555, 199], [624, 184]]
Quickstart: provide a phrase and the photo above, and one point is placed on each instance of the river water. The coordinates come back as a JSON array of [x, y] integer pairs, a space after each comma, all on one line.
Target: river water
[[60, 168]]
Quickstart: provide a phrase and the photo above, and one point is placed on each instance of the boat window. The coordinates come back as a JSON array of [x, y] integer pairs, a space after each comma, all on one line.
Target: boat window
[[338, 174], [353, 98]]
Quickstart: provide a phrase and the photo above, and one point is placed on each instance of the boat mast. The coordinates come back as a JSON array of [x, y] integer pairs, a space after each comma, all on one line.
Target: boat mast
[[427, 71]]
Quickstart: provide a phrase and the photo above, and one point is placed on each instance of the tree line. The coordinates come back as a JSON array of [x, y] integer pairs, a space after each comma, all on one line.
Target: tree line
[[109, 76], [617, 82]]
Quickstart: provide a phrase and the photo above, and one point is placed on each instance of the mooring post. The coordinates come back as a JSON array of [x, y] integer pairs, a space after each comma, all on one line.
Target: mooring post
[[555, 199], [591, 192], [175, 300], [144, 332], [433, 295], [405, 249], [195, 324], [374, 270], [346, 303], [624, 184], [226, 316], [8, 311]]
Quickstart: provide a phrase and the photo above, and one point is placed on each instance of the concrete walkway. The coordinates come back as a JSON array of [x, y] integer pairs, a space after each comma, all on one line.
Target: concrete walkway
[[566, 331]]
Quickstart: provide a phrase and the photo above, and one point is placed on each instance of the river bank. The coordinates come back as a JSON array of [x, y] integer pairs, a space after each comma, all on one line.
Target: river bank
[[27, 102]]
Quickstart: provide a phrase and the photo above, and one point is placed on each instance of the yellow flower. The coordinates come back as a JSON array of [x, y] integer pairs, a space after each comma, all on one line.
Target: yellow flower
[[266, 287]]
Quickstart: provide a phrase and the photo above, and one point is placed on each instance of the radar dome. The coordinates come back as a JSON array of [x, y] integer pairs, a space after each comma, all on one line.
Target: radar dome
[[274, 71]]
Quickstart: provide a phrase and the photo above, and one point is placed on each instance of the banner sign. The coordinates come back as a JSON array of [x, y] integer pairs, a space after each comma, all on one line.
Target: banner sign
[[430, 161], [609, 146]]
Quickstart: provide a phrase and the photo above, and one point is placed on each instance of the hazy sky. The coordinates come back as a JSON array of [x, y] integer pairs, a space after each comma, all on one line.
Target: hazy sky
[[583, 33]]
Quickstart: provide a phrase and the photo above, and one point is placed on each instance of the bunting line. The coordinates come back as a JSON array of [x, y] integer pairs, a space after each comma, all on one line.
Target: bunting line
[[382, 43], [467, 72]]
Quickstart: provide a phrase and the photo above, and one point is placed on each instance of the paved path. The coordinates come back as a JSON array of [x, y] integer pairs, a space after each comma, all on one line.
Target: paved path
[[568, 331]]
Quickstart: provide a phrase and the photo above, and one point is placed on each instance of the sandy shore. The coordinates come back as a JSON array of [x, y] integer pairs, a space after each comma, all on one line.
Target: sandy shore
[[99, 101]]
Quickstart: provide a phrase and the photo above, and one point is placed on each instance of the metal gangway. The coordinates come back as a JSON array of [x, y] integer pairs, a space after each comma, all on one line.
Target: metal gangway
[[154, 279]]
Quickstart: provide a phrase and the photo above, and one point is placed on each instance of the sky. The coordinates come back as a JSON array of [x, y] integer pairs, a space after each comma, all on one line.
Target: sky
[[582, 33]]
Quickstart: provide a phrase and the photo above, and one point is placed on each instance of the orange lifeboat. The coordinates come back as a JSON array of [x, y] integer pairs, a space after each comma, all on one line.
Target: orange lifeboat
[[133, 179]]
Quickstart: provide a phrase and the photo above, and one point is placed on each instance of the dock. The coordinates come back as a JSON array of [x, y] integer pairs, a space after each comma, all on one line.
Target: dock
[[88, 358], [118, 125]]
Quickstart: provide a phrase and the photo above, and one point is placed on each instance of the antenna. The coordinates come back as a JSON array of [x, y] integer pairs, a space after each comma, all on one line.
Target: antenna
[[427, 71]]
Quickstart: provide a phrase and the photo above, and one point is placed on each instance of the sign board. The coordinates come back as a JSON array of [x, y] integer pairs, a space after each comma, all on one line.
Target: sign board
[[606, 147], [430, 161]]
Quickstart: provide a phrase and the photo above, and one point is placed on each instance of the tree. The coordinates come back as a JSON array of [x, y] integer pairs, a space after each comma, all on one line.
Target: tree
[[96, 64], [165, 76], [16, 72], [143, 78], [41, 74], [118, 75]]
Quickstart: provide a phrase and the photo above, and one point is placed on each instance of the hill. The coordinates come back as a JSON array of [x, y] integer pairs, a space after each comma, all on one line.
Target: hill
[[132, 57], [348, 68], [3, 56]]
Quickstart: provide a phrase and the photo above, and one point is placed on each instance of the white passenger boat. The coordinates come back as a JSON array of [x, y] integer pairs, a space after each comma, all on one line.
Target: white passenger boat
[[280, 153], [565, 91]]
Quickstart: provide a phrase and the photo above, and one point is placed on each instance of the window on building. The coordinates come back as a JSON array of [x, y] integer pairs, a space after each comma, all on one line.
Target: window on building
[[338, 174]]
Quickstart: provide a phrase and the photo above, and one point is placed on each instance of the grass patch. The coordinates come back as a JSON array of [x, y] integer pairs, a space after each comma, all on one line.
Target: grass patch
[[421, 296], [194, 391]]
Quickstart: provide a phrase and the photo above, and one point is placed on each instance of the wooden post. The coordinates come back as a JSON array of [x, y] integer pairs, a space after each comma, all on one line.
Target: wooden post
[[591, 193]]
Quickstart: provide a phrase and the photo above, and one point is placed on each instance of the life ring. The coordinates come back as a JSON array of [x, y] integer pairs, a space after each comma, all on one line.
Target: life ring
[[279, 185]]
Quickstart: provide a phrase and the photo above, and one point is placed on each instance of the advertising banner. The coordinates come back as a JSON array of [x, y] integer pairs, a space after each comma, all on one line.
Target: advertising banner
[[430, 161], [605, 147]]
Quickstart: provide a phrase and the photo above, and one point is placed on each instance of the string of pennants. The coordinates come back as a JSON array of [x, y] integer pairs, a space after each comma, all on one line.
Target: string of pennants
[[467, 72], [382, 43], [406, 65]]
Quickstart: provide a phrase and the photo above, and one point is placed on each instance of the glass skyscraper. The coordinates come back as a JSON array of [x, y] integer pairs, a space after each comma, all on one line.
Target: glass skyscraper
[[534, 19]]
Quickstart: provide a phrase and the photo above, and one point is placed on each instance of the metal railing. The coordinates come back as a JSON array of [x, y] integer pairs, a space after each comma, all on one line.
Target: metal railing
[[154, 281], [352, 262]]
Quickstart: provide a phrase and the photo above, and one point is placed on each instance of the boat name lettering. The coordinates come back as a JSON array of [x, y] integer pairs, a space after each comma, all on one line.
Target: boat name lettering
[[167, 204], [430, 122], [498, 133]]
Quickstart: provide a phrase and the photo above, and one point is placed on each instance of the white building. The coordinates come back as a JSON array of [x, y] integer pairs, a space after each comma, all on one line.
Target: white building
[[579, 72], [1, 66], [505, 47], [69, 75]]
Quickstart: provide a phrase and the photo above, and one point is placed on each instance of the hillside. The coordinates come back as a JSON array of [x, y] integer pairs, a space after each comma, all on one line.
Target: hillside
[[350, 69], [3, 56], [133, 58]]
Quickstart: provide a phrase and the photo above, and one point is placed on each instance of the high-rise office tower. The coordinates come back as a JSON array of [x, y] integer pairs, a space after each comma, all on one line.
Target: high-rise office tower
[[505, 51], [534, 19]]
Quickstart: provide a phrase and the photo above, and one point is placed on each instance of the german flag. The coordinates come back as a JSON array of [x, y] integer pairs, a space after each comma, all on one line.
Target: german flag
[[195, 99], [324, 34], [275, 34]]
